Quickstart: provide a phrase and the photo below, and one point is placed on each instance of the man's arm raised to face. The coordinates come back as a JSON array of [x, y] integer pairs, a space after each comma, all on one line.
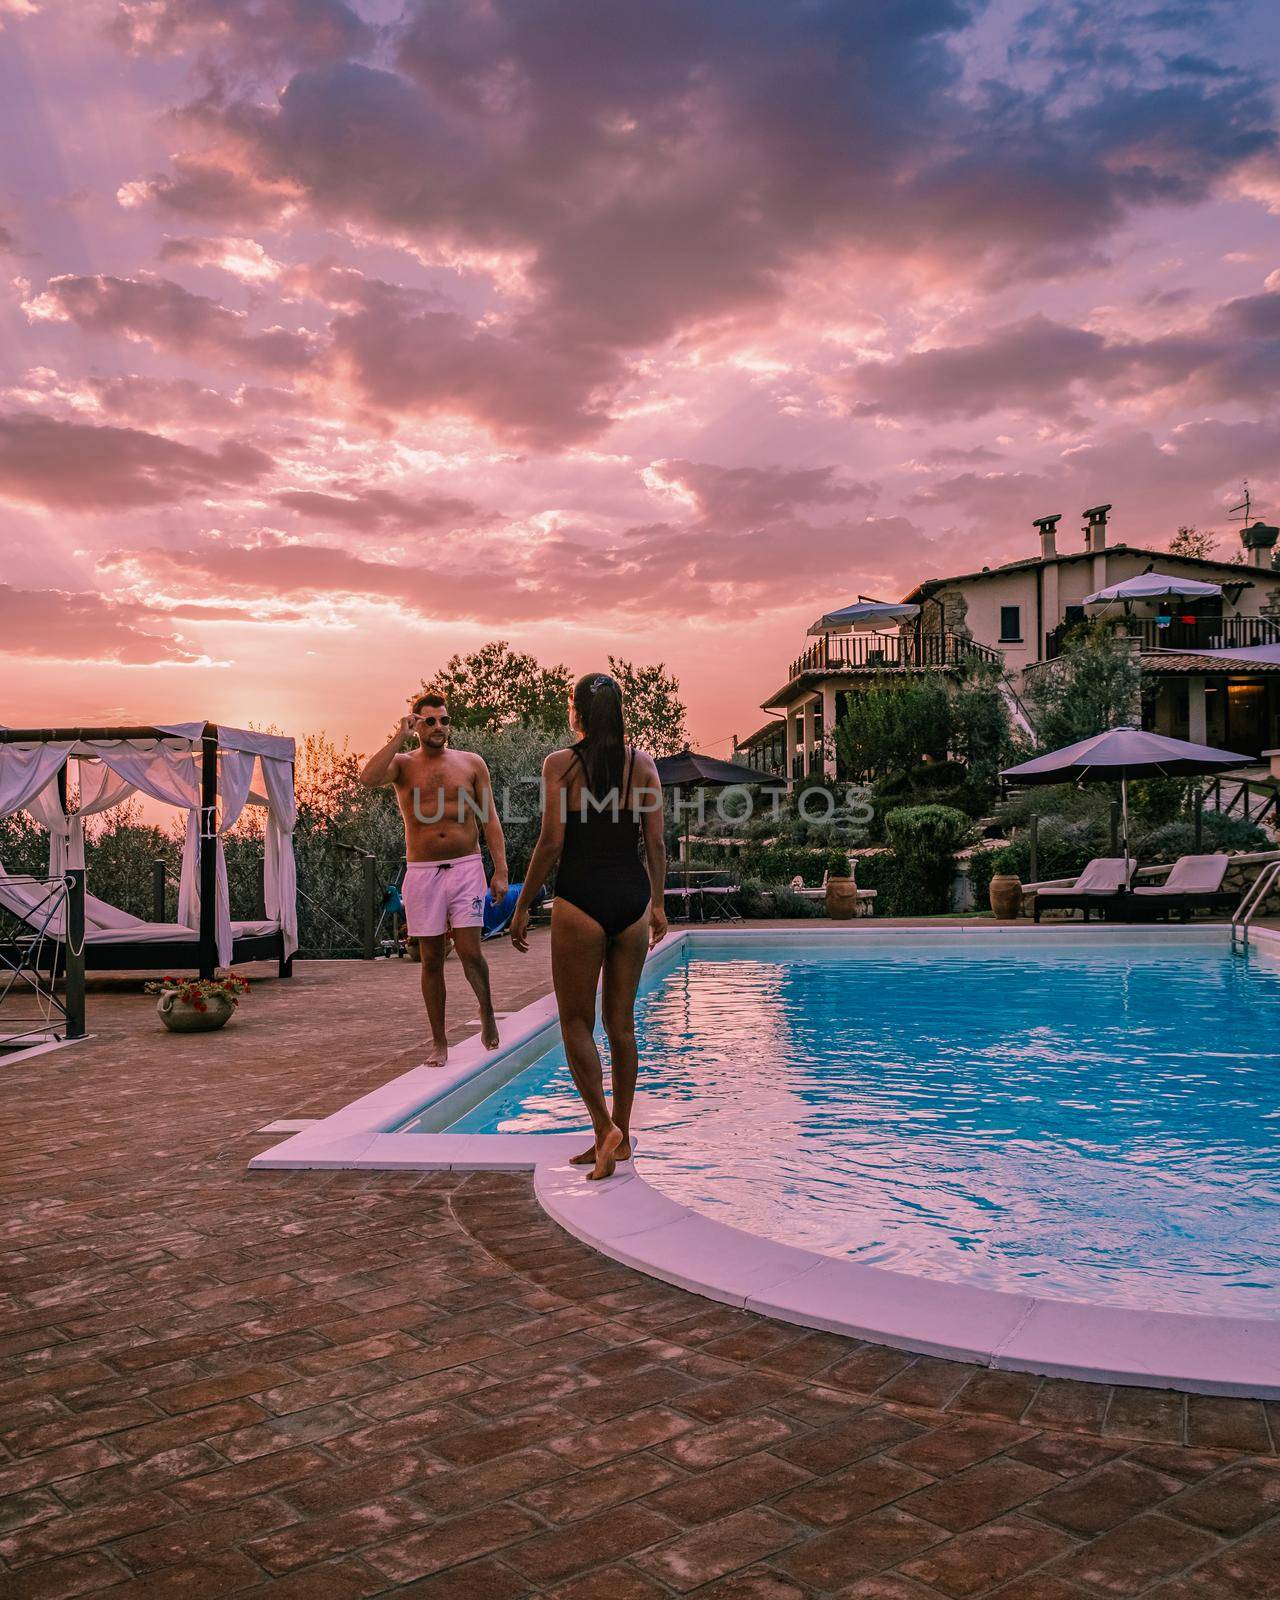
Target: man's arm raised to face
[[381, 768], [493, 834]]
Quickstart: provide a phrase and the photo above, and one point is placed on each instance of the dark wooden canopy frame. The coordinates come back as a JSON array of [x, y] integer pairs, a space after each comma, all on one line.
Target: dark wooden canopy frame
[[201, 952]]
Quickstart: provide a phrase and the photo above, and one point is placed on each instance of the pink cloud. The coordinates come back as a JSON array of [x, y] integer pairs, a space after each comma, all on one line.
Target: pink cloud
[[170, 318], [60, 626], [74, 466]]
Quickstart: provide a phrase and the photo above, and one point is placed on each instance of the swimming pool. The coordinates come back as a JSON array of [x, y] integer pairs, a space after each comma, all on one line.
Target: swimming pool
[[1087, 1121]]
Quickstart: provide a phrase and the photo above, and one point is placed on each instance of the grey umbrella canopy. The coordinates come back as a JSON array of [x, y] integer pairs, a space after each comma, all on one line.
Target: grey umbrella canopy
[[688, 767], [1120, 754]]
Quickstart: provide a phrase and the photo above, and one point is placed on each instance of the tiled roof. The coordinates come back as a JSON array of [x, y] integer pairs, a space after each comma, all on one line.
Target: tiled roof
[[1230, 572], [1187, 661]]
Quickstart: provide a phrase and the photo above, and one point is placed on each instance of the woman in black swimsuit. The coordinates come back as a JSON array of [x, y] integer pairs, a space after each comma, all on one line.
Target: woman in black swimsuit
[[602, 803]]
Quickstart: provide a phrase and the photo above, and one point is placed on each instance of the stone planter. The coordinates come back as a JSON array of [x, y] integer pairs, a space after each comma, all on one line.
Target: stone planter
[[1005, 894], [842, 899], [179, 1017]]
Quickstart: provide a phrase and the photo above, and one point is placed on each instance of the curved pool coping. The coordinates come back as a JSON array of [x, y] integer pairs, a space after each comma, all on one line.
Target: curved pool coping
[[634, 1223]]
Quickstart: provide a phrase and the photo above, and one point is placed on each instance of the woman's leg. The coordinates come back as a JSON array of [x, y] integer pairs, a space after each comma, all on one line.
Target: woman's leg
[[577, 952], [623, 964]]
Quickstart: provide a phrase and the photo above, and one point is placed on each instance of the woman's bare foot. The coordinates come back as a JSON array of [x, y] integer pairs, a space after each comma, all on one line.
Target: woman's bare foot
[[588, 1156], [489, 1032], [438, 1053], [606, 1154]]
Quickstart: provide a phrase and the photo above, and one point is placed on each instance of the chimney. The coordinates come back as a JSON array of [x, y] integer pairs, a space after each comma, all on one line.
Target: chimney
[[1048, 527], [1095, 529], [1258, 539]]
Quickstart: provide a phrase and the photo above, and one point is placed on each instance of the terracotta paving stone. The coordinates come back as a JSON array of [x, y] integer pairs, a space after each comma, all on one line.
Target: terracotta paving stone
[[335, 1386], [1227, 1424], [607, 1583], [575, 1546], [881, 1539], [713, 1549], [927, 1382], [835, 1446], [1157, 1414], [732, 1487], [979, 1493], [1064, 1403], [976, 1561], [585, 1494], [702, 1448], [63, 1578], [1131, 1557], [1101, 1499], [851, 1492], [1233, 1501], [448, 1544], [958, 1444]]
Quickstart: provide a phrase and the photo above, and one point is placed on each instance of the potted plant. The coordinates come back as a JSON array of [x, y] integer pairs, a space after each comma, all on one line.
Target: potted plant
[[197, 1005]]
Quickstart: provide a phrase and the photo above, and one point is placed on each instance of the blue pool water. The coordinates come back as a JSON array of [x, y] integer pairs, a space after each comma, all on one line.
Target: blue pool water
[[1080, 1123]]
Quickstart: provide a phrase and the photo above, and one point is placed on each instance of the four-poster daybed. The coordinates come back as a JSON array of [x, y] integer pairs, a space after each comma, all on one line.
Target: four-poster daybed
[[200, 767]]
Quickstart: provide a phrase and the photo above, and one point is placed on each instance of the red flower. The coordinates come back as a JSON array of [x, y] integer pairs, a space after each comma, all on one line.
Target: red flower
[[200, 1006]]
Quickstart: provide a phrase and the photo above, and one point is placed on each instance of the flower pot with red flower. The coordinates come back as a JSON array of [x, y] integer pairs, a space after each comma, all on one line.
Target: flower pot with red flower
[[198, 1005]]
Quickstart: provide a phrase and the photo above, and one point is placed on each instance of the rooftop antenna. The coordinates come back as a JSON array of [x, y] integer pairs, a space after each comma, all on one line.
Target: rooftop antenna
[[1245, 508]]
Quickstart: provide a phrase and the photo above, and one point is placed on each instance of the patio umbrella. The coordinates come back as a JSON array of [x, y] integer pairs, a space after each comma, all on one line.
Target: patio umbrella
[[1154, 586], [866, 616], [1124, 753], [688, 767]]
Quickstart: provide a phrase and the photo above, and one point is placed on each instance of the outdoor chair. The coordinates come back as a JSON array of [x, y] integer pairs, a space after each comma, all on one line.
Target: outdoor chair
[[1194, 883], [1102, 886]]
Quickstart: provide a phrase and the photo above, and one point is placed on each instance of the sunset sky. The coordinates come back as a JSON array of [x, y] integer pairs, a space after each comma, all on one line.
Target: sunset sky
[[337, 337]]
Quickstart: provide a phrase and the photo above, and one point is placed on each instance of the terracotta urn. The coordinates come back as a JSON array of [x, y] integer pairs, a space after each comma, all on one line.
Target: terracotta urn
[[1005, 894], [179, 1016], [842, 898]]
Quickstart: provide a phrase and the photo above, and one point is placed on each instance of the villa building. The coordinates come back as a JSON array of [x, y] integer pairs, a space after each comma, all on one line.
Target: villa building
[[1212, 676]]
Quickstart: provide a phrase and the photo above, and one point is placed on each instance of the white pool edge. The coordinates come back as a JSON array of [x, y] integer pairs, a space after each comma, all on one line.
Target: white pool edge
[[631, 1222]]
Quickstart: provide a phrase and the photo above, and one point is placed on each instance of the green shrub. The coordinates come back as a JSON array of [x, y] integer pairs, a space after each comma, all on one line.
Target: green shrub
[[1062, 851], [779, 863], [982, 868], [924, 841], [882, 872], [1218, 833]]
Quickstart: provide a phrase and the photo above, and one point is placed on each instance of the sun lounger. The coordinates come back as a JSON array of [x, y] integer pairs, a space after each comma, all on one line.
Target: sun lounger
[[1102, 885], [1194, 883]]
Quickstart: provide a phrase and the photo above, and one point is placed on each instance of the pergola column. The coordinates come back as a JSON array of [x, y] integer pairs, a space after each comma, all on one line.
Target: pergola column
[[1197, 714]]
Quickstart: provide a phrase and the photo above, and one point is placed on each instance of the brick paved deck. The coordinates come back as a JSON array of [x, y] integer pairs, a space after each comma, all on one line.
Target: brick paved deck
[[339, 1385]]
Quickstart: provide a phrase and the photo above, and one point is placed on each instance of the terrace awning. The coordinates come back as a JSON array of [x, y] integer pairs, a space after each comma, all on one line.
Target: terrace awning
[[1154, 586], [866, 616]]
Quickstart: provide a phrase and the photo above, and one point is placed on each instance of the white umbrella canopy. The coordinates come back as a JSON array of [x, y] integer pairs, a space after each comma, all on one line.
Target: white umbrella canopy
[[1153, 586], [866, 616], [1124, 753]]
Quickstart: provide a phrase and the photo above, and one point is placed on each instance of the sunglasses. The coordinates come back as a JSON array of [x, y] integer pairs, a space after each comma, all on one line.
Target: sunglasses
[[431, 721]]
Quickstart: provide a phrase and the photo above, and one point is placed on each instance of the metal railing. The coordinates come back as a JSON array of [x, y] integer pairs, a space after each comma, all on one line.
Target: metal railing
[[1184, 631], [869, 652], [40, 950], [1251, 903]]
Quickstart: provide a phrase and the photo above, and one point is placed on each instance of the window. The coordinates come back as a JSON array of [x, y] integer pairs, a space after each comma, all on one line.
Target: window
[[1010, 624]]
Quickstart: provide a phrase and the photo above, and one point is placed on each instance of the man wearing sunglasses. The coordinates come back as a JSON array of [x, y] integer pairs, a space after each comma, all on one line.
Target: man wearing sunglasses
[[445, 797]]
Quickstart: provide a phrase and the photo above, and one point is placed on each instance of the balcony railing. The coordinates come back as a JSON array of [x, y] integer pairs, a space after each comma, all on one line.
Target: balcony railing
[[1186, 632], [870, 652]]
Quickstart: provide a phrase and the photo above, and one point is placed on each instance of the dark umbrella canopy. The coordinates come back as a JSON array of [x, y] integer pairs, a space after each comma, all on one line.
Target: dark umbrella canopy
[[689, 767], [1125, 753], [1120, 754]]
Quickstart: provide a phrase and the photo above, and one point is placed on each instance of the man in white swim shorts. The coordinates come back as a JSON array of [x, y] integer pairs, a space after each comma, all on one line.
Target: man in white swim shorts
[[445, 795]]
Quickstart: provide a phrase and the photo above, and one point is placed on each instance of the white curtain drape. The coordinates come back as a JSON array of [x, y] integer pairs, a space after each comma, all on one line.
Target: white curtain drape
[[100, 789], [171, 776], [24, 772], [235, 773], [280, 874]]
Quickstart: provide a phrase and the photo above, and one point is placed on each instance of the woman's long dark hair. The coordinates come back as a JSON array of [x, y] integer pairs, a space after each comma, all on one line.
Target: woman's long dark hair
[[597, 704]]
